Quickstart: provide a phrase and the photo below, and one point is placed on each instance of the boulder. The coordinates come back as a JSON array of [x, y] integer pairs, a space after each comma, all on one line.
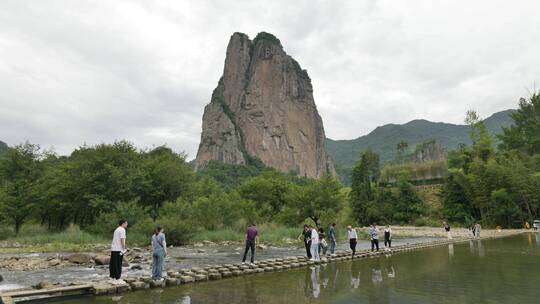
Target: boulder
[[102, 260], [43, 285], [80, 258], [54, 262]]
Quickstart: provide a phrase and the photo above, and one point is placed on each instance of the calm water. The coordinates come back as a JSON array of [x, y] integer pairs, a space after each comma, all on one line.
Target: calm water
[[495, 271]]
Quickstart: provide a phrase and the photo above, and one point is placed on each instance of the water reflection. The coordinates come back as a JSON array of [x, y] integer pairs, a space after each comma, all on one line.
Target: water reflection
[[537, 238], [315, 281], [474, 275], [376, 276], [476, 247], [481, 250], [392, 273]]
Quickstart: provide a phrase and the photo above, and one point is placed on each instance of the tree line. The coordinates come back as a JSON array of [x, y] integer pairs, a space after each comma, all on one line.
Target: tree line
[[95, 186]]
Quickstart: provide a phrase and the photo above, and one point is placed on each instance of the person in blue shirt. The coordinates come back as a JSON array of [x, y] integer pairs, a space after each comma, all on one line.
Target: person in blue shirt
[[332, 237], [159, 251]]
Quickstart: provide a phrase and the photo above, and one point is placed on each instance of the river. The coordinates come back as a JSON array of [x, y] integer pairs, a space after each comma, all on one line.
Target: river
[[504, 270]]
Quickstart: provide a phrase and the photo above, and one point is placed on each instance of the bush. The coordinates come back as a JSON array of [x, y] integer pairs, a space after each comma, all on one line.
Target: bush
[[178, 232], [132, 211]]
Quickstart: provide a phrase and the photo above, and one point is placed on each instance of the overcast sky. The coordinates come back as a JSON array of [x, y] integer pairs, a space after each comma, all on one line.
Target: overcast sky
[[75, 72]]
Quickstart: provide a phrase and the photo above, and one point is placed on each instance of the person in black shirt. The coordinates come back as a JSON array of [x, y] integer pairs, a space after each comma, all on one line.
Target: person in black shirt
[[306, 233]]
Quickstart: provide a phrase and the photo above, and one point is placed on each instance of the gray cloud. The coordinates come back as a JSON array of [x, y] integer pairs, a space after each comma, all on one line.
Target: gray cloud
[[74, 72]]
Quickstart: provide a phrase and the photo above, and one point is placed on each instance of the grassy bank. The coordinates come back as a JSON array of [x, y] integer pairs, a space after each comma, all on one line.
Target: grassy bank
[[34, 238]]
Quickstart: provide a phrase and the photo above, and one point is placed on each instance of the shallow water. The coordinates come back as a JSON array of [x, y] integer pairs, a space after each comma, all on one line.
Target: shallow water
[[505, 270]]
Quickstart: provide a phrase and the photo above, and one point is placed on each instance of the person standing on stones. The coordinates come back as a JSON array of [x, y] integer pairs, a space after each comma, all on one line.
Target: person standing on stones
[[332, 237], [315, 244], [159, 251], [252, 236], [388, 237], [374, 234], [477, 229], [323, 244], [306, 234], [118, 249], [447, 229], [352, 238]]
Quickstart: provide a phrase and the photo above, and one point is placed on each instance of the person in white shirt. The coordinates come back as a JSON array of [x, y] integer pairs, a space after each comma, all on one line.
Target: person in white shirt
[[118, 248], [314, 244], [352, 238]]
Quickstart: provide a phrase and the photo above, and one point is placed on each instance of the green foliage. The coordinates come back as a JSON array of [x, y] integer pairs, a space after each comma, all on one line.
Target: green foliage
[[132, 211], [178, 232], [230, 176], [457, 205], [415, 172], [264, 36], [268, 192], [496, 187], [164, 176], [318, 199], [361, 194], [408, 206], [524, 134], [20, 169], [383, 140]]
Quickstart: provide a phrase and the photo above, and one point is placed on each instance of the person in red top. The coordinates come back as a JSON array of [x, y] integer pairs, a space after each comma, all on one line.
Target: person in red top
[[252, 237]]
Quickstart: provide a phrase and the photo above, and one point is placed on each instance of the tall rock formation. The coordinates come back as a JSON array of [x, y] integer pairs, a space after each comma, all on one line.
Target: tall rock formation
[[263, 108]]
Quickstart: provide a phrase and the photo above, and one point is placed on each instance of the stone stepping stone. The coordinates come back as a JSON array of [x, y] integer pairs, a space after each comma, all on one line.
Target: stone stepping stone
[[171, 282], [200, 277], [145, 279], [186, 279], [103, 289], [137, 285], [157, 284], [226, 274]]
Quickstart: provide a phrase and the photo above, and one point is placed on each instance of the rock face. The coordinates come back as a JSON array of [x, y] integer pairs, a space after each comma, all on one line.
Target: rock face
[[263, 108], [429, 151]]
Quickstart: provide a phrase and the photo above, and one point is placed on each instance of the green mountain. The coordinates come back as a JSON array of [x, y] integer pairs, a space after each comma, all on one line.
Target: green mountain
[[3, 147], [383, 140]]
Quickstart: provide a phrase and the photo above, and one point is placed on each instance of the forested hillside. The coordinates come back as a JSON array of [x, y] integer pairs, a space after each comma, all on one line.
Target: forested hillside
[[383, 140]]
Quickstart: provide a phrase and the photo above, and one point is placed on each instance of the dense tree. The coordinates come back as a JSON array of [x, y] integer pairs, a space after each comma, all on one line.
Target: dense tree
[[409, 205], [268, 191], [317, 199], [165, 176], [496, 187], [361, 194], [20, 169], [524, 134], [401, 148], [457, 206]]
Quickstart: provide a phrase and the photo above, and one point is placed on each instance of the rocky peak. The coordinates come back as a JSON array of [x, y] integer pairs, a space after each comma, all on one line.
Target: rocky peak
[[263, 108]]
